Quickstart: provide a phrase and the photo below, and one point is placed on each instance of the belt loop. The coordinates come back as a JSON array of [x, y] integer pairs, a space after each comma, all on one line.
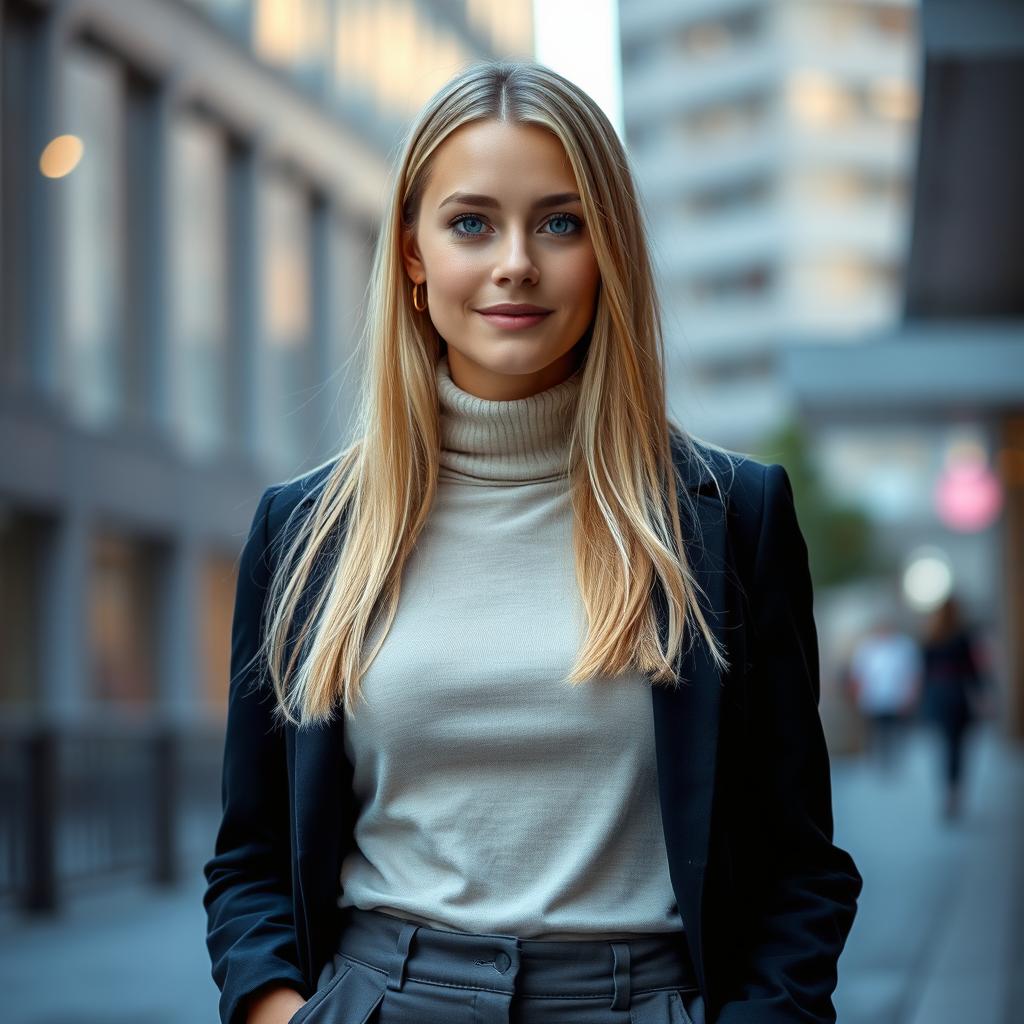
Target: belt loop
[[396, 974], [620, 975]]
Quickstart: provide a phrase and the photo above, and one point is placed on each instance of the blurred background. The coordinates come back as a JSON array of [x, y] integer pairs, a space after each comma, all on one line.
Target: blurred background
[[189, 198]]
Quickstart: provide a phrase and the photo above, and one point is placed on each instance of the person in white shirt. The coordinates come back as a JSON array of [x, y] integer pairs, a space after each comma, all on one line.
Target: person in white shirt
[[886, 670]]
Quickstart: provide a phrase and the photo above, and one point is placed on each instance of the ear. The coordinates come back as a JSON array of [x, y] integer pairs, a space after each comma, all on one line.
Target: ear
[[411, 257]]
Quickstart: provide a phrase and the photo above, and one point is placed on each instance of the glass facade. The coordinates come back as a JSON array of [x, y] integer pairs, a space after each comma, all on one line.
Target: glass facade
[[122, 613], [214, 610], [200, 285], [94, 236], [286, 300]]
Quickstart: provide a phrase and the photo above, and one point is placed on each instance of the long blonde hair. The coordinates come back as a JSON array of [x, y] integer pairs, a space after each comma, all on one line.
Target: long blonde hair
[[376, 498]]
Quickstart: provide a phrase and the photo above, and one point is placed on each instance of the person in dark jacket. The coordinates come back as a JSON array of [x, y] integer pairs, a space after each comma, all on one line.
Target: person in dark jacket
[[523, 719], [954, 687]]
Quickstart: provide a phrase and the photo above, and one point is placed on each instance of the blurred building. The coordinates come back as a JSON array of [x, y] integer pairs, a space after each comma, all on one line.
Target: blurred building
[[189, 194], [773, 140], [955, 362]]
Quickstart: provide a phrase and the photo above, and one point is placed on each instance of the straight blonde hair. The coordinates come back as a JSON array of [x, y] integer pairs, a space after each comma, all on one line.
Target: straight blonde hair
[[355, 538]]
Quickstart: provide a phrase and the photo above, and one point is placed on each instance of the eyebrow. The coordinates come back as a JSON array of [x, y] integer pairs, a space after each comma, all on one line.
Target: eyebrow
[[474, 199]]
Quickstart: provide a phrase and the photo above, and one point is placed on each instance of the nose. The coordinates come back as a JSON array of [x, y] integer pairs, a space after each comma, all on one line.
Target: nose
[[515, 263]]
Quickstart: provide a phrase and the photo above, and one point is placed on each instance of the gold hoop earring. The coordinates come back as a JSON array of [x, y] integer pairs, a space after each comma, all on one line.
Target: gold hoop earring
[[415, 294]]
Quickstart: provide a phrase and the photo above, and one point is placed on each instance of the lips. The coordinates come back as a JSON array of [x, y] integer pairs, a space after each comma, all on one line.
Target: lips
[[513, 321], [514, 309]]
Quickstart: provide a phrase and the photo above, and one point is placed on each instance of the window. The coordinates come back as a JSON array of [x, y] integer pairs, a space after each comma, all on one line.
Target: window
[[200, 288], [817, 99], [725, 120], [841, 186], [22, 558], [744, 282], [123, 605], [730, 197], [287, 317], [214, 610], [720, 37], [94, 236]]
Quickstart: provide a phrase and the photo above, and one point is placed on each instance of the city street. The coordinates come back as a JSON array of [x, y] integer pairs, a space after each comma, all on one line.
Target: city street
[[937, 939]]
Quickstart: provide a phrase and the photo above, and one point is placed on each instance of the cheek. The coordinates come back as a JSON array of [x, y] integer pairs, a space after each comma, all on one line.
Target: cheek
[[579, 277], [452, 274]]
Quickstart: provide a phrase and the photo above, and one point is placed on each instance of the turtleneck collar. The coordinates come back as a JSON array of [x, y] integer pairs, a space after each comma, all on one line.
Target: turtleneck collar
[[519, 441]]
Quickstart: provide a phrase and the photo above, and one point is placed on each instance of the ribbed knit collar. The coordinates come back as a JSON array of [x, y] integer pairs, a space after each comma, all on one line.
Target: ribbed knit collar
[[518, 441]]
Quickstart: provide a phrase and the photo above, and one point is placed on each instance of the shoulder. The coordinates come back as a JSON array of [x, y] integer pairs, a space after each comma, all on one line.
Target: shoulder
[[736, 479], [285, 500], [757, 498]]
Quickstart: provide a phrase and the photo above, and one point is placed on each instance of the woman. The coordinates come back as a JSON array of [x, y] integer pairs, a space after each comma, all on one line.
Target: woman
[[953, 688], [580, 774]]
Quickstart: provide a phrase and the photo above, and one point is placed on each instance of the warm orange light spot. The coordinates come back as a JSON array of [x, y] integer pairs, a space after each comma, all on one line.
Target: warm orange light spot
[[61, 156]]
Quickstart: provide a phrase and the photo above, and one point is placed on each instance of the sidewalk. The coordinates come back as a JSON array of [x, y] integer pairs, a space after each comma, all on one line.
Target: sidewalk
[[940, 932], [121, 955], [937, 940]]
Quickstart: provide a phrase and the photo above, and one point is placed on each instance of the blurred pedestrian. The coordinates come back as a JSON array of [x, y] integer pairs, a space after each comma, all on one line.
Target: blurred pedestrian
[[885, 674], [953, 691]]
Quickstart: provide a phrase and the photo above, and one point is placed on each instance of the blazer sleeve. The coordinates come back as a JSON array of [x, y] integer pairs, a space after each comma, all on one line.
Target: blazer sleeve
[[250, 927], [801, 890]]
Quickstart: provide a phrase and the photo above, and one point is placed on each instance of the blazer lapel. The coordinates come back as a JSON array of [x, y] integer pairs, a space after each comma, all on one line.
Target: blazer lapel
[[686, 722], [686, 717]]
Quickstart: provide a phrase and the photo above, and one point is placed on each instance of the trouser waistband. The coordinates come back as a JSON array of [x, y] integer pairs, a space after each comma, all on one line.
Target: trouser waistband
[[614, 968]]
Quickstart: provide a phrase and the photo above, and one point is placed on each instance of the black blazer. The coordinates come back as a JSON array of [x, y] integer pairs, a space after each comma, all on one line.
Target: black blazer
[[767, 899]]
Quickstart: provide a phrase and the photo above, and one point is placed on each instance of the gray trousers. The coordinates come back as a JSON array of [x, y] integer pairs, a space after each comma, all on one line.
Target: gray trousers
[[388, 970]]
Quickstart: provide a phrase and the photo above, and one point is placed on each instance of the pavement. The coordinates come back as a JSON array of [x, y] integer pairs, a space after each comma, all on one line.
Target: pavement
[[939, 935]]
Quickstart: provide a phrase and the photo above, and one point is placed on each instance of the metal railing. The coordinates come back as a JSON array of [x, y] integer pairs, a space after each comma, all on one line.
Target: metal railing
[[84, 802]]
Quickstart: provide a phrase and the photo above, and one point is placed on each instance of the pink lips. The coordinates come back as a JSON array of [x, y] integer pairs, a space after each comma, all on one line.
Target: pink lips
[[512, 317], [510, 322]]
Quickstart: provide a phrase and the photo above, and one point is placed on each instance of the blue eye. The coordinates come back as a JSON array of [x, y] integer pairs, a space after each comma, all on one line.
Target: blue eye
[[553, 219], [568, 218], [462, 219]]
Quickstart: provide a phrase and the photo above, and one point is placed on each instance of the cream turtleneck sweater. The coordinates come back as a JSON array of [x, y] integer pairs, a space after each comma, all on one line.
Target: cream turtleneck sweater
[[495, 797]]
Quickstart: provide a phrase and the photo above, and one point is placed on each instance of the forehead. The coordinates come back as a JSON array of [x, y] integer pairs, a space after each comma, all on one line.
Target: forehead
[[509, 161]]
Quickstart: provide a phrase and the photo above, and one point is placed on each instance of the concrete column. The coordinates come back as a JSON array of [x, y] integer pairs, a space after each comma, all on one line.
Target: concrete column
[[149, 342], [44, 303], [64, 641], [1012, 476], [179, 648], [325, 278], [245, 242]]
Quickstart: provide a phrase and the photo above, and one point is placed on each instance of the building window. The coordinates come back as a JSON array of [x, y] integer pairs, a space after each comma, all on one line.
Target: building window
[[734, 118], [729, 197], [215, 611], [720, 37], [842, 186], [123, 603], [731, 285], [94, 236], [200, 289], [22, 545], [845, 276], [287, 317], [818, 99], [294, 35]]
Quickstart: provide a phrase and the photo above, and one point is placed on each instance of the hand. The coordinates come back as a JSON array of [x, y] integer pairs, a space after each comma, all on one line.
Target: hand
[[274, 1006]]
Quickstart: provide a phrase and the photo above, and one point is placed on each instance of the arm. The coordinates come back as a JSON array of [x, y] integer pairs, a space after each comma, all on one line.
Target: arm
[[250, 928], [800, 889]]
